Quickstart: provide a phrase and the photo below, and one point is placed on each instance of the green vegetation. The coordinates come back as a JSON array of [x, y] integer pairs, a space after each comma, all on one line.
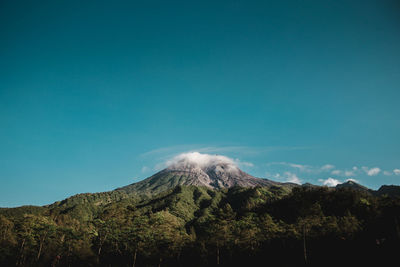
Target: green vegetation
[[196, 226]]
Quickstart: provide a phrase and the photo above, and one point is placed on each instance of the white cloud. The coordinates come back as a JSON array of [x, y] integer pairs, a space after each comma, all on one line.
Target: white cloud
[[286, 177], [330, 181], [336, 172], [355, 168], [371, 172], [303, 167], [374, 171], [387, 173], [352, 180], [292, 178], [327, 167], [396, 171], [201, 160]]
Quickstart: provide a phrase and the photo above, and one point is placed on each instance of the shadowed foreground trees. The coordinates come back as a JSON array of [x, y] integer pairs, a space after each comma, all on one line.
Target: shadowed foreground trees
[[191, 226]]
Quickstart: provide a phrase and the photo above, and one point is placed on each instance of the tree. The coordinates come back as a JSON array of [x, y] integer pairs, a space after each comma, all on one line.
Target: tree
[[136, 236], [168, 234], [219, 229], [7, 239]]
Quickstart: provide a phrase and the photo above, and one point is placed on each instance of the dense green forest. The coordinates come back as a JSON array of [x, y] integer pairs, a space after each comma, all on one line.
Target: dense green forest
[[196, 226]]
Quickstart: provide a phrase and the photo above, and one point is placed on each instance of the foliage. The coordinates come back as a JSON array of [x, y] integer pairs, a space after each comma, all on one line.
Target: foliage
[[196, 226]]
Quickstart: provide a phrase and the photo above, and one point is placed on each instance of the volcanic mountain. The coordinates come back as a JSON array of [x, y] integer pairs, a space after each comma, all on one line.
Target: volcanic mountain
[[212, 171]]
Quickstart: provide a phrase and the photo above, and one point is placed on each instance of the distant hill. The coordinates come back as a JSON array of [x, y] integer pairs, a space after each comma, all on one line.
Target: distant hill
[[389, 190], [384, 190], [353, 185]]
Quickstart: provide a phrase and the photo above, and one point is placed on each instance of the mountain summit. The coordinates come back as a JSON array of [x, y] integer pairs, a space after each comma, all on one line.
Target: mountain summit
[[212, 171]]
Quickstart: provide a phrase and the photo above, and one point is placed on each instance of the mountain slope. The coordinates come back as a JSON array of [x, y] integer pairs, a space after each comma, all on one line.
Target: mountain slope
[[186, 226], [215, 173]]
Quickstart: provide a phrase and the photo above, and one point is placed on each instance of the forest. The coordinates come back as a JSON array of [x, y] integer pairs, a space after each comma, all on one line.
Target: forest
[[197, 226]]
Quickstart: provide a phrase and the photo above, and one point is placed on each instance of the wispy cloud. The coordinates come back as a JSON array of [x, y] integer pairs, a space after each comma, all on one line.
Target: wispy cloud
[[354, 171], [299, 167], [330, 168], [243, 163], [285, 177], [245, 150], [327, 167], [345, 173], [371, 171], [284, 170], [168, 150], [303, 167]]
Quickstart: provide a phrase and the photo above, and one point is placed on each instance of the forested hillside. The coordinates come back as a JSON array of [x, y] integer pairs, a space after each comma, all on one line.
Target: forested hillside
[[198, 226]]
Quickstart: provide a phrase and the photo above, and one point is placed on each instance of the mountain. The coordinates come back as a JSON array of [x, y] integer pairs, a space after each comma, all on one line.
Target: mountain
[[197, 226], [216, 172], [210, 172], [384, 190], [205, 211], [355, 186], [389, 190]]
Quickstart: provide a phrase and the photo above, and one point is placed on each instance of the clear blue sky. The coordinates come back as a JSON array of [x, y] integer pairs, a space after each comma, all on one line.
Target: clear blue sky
[[96, 94]]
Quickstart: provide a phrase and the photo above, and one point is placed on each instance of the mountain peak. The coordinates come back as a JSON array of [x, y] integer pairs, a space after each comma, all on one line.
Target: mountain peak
[[204, 169], [194, 168]]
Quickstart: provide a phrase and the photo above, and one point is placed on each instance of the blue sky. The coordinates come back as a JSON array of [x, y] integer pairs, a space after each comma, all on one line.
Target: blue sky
[[97, 94]]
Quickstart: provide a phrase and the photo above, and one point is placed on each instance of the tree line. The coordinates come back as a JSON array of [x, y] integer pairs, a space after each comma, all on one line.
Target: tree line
[[194, 226]]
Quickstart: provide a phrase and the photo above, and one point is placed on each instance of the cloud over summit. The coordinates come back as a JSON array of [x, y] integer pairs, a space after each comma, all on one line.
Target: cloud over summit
[[201, 160]]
